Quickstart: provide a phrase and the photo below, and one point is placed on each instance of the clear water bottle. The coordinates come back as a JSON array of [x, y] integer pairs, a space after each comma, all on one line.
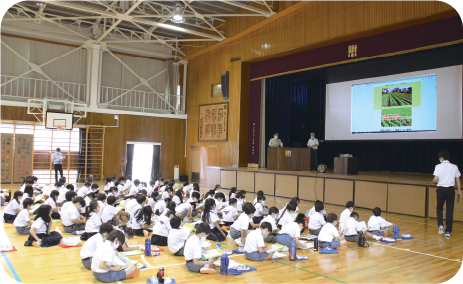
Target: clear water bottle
[[292, 251], [307, 214]]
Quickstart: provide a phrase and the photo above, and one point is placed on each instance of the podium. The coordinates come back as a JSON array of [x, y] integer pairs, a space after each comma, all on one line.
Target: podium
[[288, 159], [345, 166]]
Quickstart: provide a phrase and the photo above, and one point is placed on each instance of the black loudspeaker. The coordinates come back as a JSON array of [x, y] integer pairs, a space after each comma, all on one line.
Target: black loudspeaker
[[183, 178], [224, 81]]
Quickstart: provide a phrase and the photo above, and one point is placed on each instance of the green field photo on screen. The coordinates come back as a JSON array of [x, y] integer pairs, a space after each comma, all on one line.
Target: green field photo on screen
[[396, 117], [396, 96]]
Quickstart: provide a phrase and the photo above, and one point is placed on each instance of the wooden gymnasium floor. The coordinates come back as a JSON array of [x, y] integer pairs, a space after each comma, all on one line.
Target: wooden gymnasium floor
[[429, 258]]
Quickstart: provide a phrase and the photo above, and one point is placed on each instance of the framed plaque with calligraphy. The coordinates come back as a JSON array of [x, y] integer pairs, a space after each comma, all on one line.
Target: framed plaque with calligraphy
[[213, 122]]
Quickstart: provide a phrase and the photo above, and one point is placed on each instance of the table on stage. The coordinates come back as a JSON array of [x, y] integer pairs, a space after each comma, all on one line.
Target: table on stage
[[288, 159]]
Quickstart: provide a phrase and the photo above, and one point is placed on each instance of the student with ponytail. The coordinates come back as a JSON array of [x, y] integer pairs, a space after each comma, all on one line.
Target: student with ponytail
[[161, 229], [40, 234], [153, 199], [51, 200], [178, 197], [92, 227], [211, 218], [258, 215], [285, 216], [13, 208], [141, 221], [232, 193]]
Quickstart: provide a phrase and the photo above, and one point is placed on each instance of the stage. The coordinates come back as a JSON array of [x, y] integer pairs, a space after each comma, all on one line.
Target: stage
[[403, 193]]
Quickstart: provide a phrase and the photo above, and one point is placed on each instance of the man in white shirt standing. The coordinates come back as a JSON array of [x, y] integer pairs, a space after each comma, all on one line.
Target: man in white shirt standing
[[445, 175], [57, 159], [313, 144]]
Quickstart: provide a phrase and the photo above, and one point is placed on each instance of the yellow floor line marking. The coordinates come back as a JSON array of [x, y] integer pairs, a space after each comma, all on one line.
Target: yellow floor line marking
[[409, 250]]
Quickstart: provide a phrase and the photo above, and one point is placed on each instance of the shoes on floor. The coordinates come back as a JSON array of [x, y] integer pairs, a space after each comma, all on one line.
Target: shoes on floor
[[36, 244], [441, 230], [377, 237], [207, 270], [447, 234]]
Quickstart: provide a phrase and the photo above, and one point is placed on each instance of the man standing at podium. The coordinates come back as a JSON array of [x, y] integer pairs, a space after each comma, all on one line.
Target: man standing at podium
[[313, 144], [275, 142]]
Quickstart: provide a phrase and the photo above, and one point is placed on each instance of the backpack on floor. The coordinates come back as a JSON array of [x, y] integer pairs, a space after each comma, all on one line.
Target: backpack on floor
[[362, 242]]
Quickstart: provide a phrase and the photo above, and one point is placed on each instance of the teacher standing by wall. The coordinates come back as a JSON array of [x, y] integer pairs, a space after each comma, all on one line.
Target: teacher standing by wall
[[445, 175], [57, 159], [313, 144]]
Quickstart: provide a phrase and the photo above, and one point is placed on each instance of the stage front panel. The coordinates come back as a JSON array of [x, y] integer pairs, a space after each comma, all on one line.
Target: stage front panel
[[370, 194], [311, 188], [338, 191], [245, 181], [286, 186], [407, 199], [228, 179], [266, 183]]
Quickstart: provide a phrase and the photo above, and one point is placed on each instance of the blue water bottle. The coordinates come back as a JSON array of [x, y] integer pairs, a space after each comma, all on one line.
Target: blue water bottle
[[219, 246], [396, 232], [224, 264], [292, 251], [147, 247]]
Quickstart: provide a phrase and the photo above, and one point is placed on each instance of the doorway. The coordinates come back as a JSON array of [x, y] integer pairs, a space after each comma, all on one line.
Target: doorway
[[143, 161]]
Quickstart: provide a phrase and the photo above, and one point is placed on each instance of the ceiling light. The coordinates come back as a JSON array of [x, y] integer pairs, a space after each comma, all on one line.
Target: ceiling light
[[41, 4], [177, 15]]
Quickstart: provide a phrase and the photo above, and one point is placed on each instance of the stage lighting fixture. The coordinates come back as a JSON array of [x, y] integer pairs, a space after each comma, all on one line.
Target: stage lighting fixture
[[178, 15]]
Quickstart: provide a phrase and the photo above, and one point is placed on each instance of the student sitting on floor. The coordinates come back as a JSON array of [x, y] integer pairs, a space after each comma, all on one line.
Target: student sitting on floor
[[329, 235], [12, 209], [193, 249], [62, 194], [72, 220], [83, 191], [186, 188], [135, 187], [40, 234], [286, 215], [345, 215], [313, 210], [211, 218], [177, 238], [258, 214], [89, 247], [353, 228], [112, 213], [184, 210], [316, 221], [271, 219], [178, 197], [291, 231], [141, 221], [23, 221], [167, 193], [161, 229], [239, 202], [194, 201], [230, 213], [239, 229], [255, 248], [101, 199], [160, 206], [92, 226], [219, 199], [140, 203], [153, 199], [28, 193], [89, 198], [104, 266], [51, 200], [378, 226], [232, 193], [128, 233]]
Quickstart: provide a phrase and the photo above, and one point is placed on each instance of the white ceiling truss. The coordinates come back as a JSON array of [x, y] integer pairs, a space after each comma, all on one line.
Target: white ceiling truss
[[137, 26]]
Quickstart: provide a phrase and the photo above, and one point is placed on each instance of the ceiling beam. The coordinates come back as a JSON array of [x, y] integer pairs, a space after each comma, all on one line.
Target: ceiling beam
[[198, 15], [120, 17], [250, 8]]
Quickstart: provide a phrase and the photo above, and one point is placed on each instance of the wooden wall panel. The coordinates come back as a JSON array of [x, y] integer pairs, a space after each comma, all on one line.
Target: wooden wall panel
[[338, 191], [432, 202], [370, 194], [406, 199], [168, 131], [227, 179], [266, 183], [286, 186], [311, 188], [245, 180]]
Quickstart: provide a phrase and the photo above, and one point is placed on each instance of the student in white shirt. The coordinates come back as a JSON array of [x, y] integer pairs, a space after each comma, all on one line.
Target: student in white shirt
[[134, 188], [193, 249], [141, 221], [286, 215], [92, 226], [255, 248], [70, 195], [95, 188], [153, 199], [211, 218], [177, 238], [329, 235], [89, 247], [122, 190], [316, 221], [271, 219], [104, 266], [89, 198], [230, 212], [150, 188], [128, 183], [259, 193], [161, 206], [23, 220], [13, 208], [62, 194], [291, 231], [259, 213], [101, 199], [139, 204], [232, 193], [28, 193], [193, 201], [107, 184], [158, 182], [40, 234], [186, 188], [377, 225], [178, 197], [161, 229], [345, 214], [239, 229], [82, 192], [51, 200], [353, 228], [167, 193], [446, 175], [72, 220], [239, 201], [130, 203], [185, 210], [312, 210], [219, 198], [111, 213]]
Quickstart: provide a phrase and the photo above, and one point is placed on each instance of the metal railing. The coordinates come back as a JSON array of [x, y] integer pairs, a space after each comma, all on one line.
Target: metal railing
[[22, 88], [142, 101]]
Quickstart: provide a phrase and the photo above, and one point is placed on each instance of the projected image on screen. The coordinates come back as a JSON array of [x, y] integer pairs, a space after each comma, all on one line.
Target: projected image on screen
[[401, 105]]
